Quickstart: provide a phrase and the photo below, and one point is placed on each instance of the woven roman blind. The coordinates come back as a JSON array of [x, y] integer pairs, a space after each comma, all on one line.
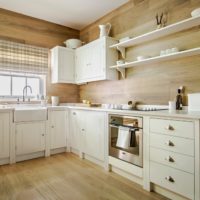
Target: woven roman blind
[[17, 57]]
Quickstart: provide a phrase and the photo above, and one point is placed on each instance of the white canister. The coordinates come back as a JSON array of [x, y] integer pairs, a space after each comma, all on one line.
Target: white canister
[[55, 100], [172, 105]]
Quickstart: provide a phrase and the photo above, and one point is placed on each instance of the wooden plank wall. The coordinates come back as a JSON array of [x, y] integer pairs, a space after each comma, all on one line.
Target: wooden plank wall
[[37, 32], [153, 84]]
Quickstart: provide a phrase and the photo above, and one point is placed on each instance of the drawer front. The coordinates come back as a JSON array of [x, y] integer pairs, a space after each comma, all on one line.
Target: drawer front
[[172, 127], [174, 144], [177, 181], [171, 159]]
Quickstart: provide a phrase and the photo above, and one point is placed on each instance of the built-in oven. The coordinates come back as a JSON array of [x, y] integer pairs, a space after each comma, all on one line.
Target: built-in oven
[[126, 138]]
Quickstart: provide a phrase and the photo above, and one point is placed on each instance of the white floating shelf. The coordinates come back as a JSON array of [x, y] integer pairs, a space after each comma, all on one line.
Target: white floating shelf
[[181, 54], [158, 33]]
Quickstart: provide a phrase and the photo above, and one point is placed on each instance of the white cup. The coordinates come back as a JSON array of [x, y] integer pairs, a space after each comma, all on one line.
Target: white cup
[[174, 50], [55, 100], [172, 105]]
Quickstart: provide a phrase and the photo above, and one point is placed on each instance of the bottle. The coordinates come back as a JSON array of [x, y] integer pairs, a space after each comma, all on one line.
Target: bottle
[[179, 100]]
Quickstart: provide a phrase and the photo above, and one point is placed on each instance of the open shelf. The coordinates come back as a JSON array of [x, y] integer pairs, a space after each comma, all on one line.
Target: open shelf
[[158, 33], [181, 54]]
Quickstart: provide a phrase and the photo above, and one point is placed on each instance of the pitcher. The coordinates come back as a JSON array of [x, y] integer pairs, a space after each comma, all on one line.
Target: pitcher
[[105, 29]]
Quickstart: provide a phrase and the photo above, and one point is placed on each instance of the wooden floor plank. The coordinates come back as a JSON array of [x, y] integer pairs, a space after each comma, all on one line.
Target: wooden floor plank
[[66, 177]]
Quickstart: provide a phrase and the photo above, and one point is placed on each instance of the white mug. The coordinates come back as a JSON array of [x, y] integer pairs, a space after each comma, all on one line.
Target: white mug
[[55, 100], [172, 105]]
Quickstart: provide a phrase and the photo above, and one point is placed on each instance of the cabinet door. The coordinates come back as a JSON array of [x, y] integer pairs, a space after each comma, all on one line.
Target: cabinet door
[[81, 64], [66, 68], [62, 65], [94, 134], [30, 137], [74, 130], [58, 127], [96, 62], [4, 135]]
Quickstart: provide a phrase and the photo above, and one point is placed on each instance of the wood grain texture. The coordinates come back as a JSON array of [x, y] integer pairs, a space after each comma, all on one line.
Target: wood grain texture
[[152, 84], [28, 30], [64, 177]]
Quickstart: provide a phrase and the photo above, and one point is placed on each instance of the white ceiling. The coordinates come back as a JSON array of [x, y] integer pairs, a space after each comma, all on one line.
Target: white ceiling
[[72, 13]]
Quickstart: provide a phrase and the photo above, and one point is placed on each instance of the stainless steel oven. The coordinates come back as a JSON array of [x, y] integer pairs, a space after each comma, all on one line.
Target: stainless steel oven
[[126, 138]]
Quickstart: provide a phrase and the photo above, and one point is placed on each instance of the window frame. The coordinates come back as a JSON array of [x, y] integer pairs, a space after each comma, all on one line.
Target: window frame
[[26, 76]]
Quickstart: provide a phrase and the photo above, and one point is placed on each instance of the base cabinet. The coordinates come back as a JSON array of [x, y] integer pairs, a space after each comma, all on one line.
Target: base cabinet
[[87, 133], [30, 137], [58, 129], [4, 135]]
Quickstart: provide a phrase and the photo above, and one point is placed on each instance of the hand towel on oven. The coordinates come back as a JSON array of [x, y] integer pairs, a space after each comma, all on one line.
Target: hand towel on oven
[[124, 136]]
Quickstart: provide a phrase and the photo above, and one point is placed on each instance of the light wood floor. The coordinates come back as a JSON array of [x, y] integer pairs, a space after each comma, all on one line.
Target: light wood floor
[[66, 177]]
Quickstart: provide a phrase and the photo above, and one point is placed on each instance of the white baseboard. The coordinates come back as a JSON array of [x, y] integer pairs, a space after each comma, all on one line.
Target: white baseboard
[[20, 158], [56, 151], [4, 161]]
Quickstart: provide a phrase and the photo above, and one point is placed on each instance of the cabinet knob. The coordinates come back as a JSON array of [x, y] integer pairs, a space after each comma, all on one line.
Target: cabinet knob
[[170, 159], [43, 135], [169, 128], [169, 143], [83, 129], [74, 113], [170, 179], [52, 126]]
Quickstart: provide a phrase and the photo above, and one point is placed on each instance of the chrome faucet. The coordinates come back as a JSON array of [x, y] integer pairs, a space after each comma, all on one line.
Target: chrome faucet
[[25, 88]]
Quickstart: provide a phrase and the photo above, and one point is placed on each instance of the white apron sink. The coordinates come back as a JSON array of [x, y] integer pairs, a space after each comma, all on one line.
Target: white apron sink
[[27, 114]]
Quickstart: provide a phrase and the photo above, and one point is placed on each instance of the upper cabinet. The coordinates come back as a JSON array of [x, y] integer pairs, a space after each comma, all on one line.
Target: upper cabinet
[[62, 65], [85, 64], [93, 61]]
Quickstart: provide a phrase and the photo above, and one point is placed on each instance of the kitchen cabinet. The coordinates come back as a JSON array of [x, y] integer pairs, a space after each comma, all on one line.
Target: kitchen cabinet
[[30, 137], [62, 65], [74, 135], [4, 135], [87, 133], [58, 128], [172, 155], [93, 61]]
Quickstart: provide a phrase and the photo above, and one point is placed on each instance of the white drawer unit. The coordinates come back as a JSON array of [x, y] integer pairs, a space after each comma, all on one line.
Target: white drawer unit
[[172, 156], [171, 159], [174, 144], [175, 180], [172, 127]]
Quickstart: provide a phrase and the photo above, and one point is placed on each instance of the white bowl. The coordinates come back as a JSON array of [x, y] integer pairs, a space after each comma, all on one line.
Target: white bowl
[[139, 58], [73, 43], [195, 12]]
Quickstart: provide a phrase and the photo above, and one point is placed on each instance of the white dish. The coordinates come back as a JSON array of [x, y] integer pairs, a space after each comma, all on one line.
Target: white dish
[[139, 58], [73, 43], [195, 12]]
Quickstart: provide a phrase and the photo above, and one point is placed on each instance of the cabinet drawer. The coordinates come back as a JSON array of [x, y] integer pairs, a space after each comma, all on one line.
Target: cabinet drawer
[[172, 127], [177, 181], [174, 144], [171, 159]]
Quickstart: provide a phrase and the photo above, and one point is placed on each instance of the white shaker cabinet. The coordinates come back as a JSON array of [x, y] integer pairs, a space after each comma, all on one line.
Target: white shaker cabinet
[[58, 128], [62, 65], [93, 61], [94, 135], [87, 133], [4, 135], [30, 137]]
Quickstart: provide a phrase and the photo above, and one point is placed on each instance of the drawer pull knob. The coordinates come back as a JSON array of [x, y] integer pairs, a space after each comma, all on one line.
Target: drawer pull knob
[[169, 128], [52, 126], [170, 179], [170, 159], [169, 143]]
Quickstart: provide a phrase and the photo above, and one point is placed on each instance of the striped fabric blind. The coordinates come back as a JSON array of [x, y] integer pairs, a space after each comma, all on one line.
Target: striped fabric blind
[[17, 57]]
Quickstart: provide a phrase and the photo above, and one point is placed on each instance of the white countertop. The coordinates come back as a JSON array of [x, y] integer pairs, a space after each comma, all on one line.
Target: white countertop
[[184, 114]]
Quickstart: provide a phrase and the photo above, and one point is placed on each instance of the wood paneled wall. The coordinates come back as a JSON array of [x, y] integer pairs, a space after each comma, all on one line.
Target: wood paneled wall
[[153, 84], [37, 32]]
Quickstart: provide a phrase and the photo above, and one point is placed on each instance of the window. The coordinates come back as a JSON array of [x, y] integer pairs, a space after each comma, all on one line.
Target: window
[[12, 85]]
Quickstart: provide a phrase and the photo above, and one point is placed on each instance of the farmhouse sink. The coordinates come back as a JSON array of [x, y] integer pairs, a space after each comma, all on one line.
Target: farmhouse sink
[[27, 114]]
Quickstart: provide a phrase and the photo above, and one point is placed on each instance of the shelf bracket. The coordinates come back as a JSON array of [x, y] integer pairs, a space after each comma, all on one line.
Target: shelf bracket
[[122, 71], [122, 51]]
